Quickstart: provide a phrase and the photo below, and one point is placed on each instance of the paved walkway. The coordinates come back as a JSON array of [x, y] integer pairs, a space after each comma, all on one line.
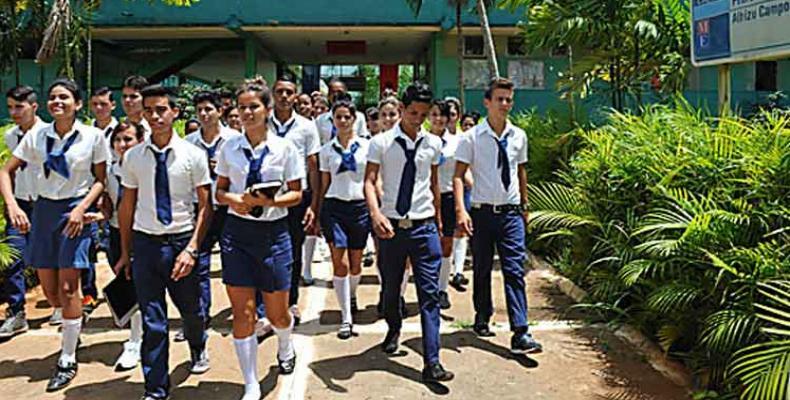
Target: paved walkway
[[579, 362]]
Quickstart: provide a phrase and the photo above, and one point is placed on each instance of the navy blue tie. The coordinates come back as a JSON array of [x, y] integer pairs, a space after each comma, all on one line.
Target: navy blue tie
[[56, 159], [502, 161], [211, 152], [286, 128], [442, 158], [254, 174], [347, 160], [19, 137], [406, 189], [164, 212]]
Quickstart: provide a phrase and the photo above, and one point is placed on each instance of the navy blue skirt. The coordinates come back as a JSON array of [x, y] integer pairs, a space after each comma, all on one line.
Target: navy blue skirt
[[345, 224], [49, 247], [256, 254]]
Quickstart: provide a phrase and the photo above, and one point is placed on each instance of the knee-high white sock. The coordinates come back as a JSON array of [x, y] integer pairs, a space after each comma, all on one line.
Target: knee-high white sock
[[354, 279], [444, 273], [71, 335], [405, 283], [370, 245], [459, 254], [343, 292], [285, 347], [308, 250], [247, 353], [136, 328]]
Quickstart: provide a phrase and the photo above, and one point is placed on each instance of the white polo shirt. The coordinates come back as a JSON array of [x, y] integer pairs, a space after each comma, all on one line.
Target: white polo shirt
[[196, 138], [302, 133], [114, 178], [282, 163], [26, 180], [347, 185], [447, 162], [478, 147], [187, 169], [391, 159], [325, 126], [89, 148]]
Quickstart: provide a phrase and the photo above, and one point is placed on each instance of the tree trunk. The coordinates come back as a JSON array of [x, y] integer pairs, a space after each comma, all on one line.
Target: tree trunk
[[572, 96], [460, 50], [488, 41]]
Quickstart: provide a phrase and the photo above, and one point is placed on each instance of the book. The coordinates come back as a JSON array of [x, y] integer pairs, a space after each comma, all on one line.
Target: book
[[122, 299]]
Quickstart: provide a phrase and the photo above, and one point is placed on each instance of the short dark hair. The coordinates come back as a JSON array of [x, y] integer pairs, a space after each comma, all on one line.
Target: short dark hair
[[225, 94], [471, 114], [209, 96], [139, 131], [343, 96], [498, 83], [102, 91], [227, 111], [345, 103], [258, 87], [159, 91], [453, 102], [443, 106], [286, 77], [67, 84], [336, 79], [22, 93], [372, 114], [417, 92], [135, 82]]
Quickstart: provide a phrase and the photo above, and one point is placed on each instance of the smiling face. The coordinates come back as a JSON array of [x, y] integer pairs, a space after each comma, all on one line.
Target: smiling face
[[343, 119], [233, 119], [207, 113], [500, 104], [389, 115], [159, 114], [62, 105], [437, 120], [102, 106], [124, 140], [304, 105], [253, 112]]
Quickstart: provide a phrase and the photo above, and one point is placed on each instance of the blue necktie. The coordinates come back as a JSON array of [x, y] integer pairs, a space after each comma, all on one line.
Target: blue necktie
[[56, 159], [347, 160], [442, 158], [502, 161], [120, 192], [19, 137], [406, 189], [211, 152], [254, 173], [286, 128], [164, 212]]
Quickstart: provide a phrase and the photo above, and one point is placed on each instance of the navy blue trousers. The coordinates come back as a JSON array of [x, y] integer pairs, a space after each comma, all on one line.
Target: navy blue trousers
[[296, 230], [422, 246], [14, 288], [506, 233], [152, 265]]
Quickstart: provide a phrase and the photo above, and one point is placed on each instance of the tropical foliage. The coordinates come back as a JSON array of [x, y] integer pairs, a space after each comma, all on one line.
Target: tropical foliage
[[680, 224]]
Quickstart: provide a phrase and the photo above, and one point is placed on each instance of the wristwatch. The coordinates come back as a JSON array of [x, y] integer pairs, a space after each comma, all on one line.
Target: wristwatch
[[192, 252]]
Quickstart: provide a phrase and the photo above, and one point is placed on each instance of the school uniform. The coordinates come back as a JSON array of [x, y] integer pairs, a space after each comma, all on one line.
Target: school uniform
[[446, 173], [65, 179], [217, 220], [327, 130], [256, 247], [303, 134], [405, 170], [25, 192], [497, 217], [164, 221], [115, 192], [345, 220]]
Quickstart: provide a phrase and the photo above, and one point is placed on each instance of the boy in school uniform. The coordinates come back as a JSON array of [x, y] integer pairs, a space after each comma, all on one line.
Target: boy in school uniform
[[102, 106], [496, 151], [22, 106], [326, 128], [132, 101], [158, 224], [408, 220]]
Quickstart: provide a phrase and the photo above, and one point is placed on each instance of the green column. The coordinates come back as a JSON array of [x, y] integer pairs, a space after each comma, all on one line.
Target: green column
[[250, 58]]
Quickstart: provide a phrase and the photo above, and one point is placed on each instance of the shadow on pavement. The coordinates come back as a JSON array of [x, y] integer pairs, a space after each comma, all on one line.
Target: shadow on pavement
[[458, 340]]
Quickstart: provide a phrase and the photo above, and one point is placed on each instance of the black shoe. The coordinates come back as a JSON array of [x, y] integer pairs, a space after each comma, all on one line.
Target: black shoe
[[482, 330], [149, 397], [457, 283], [354, 307], [180, 337], [345, 332], [436, 373], [367, 261], [62, 377], [444, 300], [464, 280], [287, 366], [390, 344], [524, 343], [403, 310]]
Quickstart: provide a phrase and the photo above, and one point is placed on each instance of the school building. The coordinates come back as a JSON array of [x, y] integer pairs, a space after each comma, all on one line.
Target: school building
[[216, 40]]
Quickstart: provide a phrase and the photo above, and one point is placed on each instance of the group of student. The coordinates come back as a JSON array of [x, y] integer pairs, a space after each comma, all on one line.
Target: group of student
[[265, 173]]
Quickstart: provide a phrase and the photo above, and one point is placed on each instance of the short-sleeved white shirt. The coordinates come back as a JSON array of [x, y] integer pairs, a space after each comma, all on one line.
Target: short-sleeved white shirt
[[478, 147], [107, 133], [391, 159], [302, 133], [282, 163], [196, 138], [347, 185], [26, 180], [88, 148], [447, 162], [325, 126], [114, 178], [187, 169]]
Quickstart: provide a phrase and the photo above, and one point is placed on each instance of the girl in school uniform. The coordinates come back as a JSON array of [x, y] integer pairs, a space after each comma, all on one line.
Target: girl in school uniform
[[74, 159], [256, 246], [344, 217]]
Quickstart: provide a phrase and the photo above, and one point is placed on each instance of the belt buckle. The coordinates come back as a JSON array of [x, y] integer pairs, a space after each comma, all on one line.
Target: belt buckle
[[405, 223], [495, 208]]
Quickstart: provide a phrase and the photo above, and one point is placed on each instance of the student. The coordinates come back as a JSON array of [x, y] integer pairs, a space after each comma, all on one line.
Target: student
[[469, 120], [286, 123], [126, 135], [407, 221], [132, 101], [455, 114], [320, 106], [191, 126], [22, 105], [73, 160], [158, 224], [389, 113], [496, 151], [326, 129], [372, 119], [344, 217], [256, 245], [460, 241], [227, 100], [304, 105], [231, 118], [102, 106]]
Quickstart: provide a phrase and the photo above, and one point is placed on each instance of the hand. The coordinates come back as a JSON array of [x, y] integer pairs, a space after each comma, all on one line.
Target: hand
[[237, 204], [464, 223], [257, 201], [183, 266], [123, 266], [439, 223], [19, 219], [75, 223], [92, 217], [382, 226], [309, 221]]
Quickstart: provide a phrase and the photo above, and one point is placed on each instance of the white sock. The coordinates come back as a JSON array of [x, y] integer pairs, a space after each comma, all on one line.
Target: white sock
[[285, 347], [71, 334], [247, 353], [136, 328], [405, 283], [370, 245], [343, 292], [308, 251], [444, 273], [459, 253], [354, 279]]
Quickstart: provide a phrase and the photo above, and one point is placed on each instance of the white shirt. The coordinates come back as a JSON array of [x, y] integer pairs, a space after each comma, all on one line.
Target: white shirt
[[447, 162], [187, 169], [89, 148], [114, 178], [302, 133], [26, 180], [107, 133], [478, 148], [145, 125], [281, 163], [347, 185], [325, 126], [196, 138], [391, 159]]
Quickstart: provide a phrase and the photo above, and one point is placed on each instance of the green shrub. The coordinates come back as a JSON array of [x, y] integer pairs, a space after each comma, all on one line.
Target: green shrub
[[552, 141]]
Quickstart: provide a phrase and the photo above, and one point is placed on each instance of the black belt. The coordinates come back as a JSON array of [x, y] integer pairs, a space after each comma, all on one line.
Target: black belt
[[409, 223], [498, 209], [166, 238]]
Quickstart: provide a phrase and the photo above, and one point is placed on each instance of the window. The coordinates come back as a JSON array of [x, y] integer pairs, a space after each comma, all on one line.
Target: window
[[473, 46], [526, 74], [765, 76], [515, 46]]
